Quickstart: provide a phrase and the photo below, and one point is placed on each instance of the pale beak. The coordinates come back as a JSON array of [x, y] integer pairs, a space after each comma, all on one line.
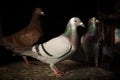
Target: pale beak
[[43, 13], [97, 21], [81, 24]]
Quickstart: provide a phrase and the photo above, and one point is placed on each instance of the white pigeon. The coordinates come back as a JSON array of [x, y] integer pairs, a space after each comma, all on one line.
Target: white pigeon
[[58, 48]]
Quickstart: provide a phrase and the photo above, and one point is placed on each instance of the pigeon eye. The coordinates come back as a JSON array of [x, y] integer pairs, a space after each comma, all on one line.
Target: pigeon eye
[[75, 21]]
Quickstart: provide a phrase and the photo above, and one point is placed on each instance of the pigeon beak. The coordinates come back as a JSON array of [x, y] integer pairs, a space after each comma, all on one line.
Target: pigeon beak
[[43, 13], [97, 21], [81, 24]]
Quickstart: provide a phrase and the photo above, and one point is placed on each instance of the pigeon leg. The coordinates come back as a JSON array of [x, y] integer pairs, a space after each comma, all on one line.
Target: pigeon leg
[[96, 58], [56, 71], [25, 59]]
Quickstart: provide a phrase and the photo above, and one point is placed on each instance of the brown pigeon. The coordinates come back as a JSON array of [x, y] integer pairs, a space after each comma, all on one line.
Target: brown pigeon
[[25, 37]]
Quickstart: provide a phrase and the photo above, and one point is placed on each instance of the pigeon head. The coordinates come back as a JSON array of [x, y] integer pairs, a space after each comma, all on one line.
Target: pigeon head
[[75, 21], [93, 20], [38, 11]]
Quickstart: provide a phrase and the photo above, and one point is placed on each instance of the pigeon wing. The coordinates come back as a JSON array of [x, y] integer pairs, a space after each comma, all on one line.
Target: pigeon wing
[[56, 47]]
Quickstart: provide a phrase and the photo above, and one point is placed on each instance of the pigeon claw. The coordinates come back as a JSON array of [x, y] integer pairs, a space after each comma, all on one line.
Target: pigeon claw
[[25, 59], [60, 73]]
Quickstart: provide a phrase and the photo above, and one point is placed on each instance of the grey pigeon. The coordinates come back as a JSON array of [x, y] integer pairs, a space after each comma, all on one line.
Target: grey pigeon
[[58, 48], [89, 41]]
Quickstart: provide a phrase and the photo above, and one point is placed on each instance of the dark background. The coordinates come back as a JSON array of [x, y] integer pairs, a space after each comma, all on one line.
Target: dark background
[[17, 14]]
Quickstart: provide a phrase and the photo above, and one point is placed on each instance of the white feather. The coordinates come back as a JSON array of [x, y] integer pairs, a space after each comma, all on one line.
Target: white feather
[[57, 47]]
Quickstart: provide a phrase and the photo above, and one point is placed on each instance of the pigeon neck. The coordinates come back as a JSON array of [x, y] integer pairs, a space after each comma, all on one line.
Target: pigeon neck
[[117, 32], [71, 34], [35, 20], [92, 29], [117, 35]]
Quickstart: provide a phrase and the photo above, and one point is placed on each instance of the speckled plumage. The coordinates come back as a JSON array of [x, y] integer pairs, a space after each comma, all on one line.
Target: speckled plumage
[[26, 37]]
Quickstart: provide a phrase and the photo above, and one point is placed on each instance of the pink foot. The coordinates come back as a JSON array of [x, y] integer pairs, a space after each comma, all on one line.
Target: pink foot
[[60, 73], [25, 59]]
